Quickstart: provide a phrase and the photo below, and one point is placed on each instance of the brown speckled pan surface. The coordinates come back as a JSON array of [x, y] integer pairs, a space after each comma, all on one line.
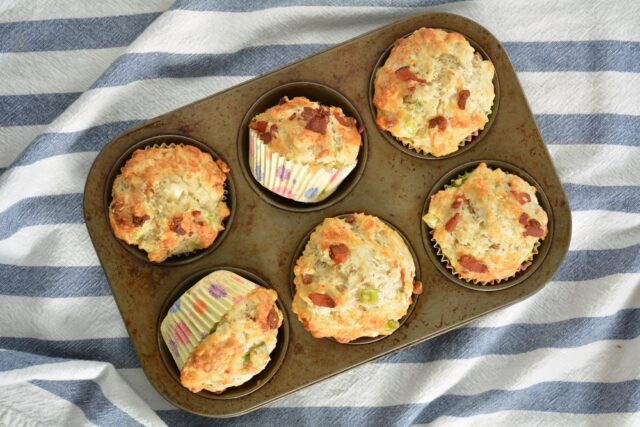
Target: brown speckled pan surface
[[264, 232]]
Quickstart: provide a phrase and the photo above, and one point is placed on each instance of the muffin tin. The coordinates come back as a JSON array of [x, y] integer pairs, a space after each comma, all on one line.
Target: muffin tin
[[265, 232]]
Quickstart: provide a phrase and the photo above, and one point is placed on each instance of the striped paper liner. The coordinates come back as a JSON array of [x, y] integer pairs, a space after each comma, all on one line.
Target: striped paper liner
[[196, 313], [291, 179]]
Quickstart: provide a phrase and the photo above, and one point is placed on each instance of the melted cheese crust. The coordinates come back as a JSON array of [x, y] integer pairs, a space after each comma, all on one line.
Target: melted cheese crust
[[169, 200], [372, 288], [446, 64], [238, 349], [489, 226]]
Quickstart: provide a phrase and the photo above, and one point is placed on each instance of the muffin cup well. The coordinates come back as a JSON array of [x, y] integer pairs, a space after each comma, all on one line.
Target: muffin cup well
[[192, 317], [270, 170], [259, 380], [166, 141], [434, 252], [290, 179], [466, 144], [414, 297]]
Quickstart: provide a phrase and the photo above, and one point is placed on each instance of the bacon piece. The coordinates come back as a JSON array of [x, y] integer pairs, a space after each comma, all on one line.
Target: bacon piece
[[139, 220], [339, 253], [272, 318], [345, 121], [451, 224], [307, 113], [534, 229], [283, 100], [439, 121], [405, 74], [361, 128], [350, 219], [195, 213], [402, 276], [176, 226], [472, 264], [318, 125], [521, 197], [457, 202], [265, 137], [307, 279], [417, 287], [259, 126], [322, 300], [293, 116], [463, 95], [274, 128], [524, 218]]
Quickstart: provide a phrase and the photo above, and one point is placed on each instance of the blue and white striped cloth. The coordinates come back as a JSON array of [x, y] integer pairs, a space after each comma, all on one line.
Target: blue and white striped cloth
[[74, 74]]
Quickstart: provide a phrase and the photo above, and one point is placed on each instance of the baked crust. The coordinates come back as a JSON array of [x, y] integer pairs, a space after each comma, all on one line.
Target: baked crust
[[491, 217], [169, 200], [354, 279], [419, 92]]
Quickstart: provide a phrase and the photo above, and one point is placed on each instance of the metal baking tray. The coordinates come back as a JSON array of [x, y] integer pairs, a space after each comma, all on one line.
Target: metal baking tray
[[264, 232]]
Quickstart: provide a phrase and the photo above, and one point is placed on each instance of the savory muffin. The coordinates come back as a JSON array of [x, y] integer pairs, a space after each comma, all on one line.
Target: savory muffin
[[354, 279], [302, 150], [169, 200], [433, 92], [488, 224], [238, 347]]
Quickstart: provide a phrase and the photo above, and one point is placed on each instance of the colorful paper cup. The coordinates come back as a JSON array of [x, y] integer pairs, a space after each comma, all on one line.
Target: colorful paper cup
[[196, 313], [291, 179]]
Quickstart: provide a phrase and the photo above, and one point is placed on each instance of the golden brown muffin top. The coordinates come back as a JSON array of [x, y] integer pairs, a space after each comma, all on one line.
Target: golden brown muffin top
[[169, 200], [354, 279], [487, 224], [433, 91]]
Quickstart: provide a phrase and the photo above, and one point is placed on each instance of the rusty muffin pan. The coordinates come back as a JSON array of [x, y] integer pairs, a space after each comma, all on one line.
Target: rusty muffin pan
[[265, 232]]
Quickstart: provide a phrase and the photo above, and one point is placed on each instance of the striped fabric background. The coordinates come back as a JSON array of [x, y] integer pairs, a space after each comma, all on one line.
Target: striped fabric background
[[74, 74]]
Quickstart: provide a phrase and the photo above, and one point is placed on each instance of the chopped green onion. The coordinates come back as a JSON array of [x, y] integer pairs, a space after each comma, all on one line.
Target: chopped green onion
[[368, 296], [431, 220], [392, 325]]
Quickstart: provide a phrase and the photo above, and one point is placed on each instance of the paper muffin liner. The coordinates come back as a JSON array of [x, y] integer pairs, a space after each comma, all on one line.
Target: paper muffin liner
[[224, 199], [196, 313], [445, 260], [291, 179], [469, 138]]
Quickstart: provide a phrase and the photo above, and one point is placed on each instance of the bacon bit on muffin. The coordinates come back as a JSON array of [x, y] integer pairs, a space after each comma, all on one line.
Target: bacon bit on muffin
[[345, 121], [439, 121], [139, 220], [195, 213], [417, 287], [307, 279], [317, 119], [458, 201], [272, 318], [293, 116], [472, 264], [405, 74], [451, 224], [260, 126], [522, 197], [463, 95], [322, 300], [533, 228], [339, 253], [350, 219], [524, 218], [176, 226]]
